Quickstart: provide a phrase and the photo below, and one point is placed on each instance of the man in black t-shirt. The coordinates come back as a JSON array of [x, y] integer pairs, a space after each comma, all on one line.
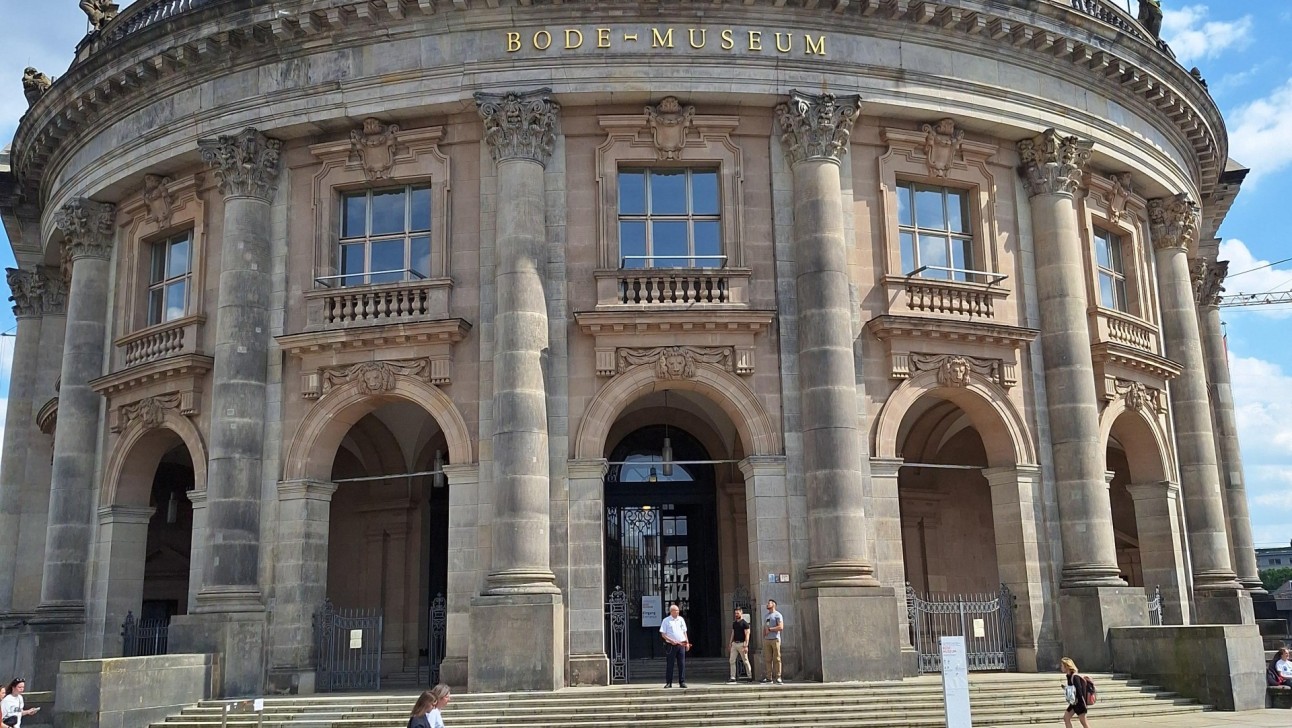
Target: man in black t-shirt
[[738, 644]]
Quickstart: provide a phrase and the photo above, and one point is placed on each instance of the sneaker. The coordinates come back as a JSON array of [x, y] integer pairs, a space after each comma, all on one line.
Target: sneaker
[[765, 680], [778, 682], [731, 679], [682, 684], [668, 685]]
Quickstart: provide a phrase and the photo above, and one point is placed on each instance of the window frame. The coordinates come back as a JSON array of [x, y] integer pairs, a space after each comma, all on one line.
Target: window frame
[[1114, 244], [163, 285], [648, 217], [968, 274], [1128, 223], [368, 239]]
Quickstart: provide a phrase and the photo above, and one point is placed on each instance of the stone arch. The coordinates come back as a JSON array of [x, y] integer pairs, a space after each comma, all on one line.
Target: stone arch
[[140, 448], [1004, 433], [729, 392], [1142, 439], [327, 422]]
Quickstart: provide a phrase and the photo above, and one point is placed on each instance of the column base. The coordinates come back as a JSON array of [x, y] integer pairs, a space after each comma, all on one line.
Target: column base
[[518, 643], [593, 669], [289, 681], [59, 636], [453, 672], [835, 650], [229, 599], [1223, 606], [1087, 613], [239, 640]]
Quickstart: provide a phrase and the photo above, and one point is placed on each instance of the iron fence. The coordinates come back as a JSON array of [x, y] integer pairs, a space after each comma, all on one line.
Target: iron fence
[[986, 621], [437, 634], [617, 634], [347, 648], [1155, 608], [144, 637]]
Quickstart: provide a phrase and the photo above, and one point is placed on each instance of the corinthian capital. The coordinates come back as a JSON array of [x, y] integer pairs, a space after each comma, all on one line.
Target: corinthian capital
[[53, 291], [817, 127], [519, 126], [24, 288], [1053, 164], [1208, 280], [246, 164], [1173, 222], [87, 228]]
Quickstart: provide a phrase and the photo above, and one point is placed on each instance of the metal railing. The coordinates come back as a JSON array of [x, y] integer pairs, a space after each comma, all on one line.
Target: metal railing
[[144, 637], [436, 641], [649, 261], [403, 274], [1155, 608], [347, 644], [986, 621], [617, 635]]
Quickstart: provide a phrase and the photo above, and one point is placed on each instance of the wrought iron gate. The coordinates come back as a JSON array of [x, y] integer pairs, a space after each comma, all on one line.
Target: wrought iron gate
[[437, 631], [143, 637], [985, 620], [617, 634], [347, 646]]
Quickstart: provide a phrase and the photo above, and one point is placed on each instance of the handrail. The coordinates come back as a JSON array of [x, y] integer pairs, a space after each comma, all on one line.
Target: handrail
[[321, 281], [992, 277], [623, 261]]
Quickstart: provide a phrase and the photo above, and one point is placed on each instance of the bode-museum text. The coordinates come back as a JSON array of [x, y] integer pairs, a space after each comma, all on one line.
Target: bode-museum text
[[726, 39]]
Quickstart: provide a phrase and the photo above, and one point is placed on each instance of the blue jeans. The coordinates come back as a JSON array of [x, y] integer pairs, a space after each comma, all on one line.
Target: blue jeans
[[675, 652]]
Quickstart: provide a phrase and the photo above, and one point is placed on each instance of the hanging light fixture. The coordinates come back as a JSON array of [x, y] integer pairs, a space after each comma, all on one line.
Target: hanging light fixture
[[438, 479], [172, 508], [667, 453], [653, 475]]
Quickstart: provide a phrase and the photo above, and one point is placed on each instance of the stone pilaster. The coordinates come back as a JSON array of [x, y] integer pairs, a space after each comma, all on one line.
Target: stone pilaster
[[520, 131], [589, 664], [840, 583], [1242, 547], [300, 576], [1161, 546], [1174, 225], [121, 553], [890, 561]]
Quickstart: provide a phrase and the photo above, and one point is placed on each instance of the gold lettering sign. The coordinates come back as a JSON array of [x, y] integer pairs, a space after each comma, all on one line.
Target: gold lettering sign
[[666, 38]]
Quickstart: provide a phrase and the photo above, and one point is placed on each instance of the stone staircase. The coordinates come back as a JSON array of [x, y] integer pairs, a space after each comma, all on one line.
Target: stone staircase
[[997, 700]]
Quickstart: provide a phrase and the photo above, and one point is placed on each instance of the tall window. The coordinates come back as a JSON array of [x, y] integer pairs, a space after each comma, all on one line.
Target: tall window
[[385, 236], [935, 233], [670, 218], [169, 275], [1112, 274]]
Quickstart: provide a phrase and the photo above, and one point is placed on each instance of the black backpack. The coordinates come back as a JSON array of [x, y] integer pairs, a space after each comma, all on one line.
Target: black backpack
[[1272, 677]]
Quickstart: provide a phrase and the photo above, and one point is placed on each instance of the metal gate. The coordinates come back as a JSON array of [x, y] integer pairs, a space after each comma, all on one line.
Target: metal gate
[[617, 634], [143, 637], [438, 630], [985, 620], [347, 646]]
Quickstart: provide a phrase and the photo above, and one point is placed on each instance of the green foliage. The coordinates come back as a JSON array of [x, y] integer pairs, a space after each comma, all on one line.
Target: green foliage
[[1274, 578]]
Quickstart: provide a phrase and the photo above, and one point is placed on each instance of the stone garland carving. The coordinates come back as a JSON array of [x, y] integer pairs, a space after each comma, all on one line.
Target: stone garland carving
[[1053, 164], [519, 125], [100, 12], [942, 142], [246, 164], [817, 127], [669, 122], [954, 370], [34, 85], [25, 289], [1173, 221], [87, 227], [1118, 196], [675, 362], [149, 411], [374, 377], [158, 199], [374, 146], [1137, 396]]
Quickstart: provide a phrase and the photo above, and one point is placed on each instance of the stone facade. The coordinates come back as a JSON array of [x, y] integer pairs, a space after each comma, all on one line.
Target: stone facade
[[514, 314]]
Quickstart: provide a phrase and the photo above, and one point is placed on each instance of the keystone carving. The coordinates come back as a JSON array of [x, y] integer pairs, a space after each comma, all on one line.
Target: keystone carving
[[34, 85], [87, 228], [675, 362], [942, 143], [954, 370], [669, 122], [1173, 222], [519, 125], [1208, 279], [246, 164], [100, 12], [25, 289], [1052, 164], [158, 199], [150, 412], [1137, 396], [374, 377], [1118, 196], [374, 147], [817, 127]]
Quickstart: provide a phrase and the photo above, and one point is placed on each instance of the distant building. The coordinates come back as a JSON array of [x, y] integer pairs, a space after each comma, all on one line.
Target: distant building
[[1273, 558]]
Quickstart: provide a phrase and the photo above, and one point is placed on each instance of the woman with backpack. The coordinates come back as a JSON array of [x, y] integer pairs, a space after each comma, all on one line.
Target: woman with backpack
[[1076, 690], [1279, 671]]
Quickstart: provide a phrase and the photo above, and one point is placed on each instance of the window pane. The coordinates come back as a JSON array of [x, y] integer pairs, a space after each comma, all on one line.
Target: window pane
[[632, 242], [704, 192], [928, 209], [352, 265], [668, 191], [1115, 252], [933, 253], [904, 204], [708, 242], [1101, 250], [958, 212], [908, 253], [176, 295], [420, 256], [388, 212], [388, 255], [154, 306], [421, 212], [669, 239], [1119, 288], [632, 192], [178, 263], [354, 216], [1107, 298], [158, 271], [962, 257]]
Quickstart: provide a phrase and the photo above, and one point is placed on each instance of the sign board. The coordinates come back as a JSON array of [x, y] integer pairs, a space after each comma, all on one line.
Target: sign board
[[356, 639], [980, 628], [652, 610], [955, 682]]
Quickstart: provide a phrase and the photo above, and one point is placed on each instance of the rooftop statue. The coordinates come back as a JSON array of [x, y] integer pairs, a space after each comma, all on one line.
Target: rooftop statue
[[34, 85], [1150, 16], [99, 12]]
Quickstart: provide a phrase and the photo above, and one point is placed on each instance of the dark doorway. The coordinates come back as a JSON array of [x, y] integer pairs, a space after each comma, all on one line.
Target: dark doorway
[[661, 539]]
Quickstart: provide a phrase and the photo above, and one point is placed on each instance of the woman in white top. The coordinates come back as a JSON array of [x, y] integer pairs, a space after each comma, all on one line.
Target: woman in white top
[[1283, 665], [13, 704], [426, 713]]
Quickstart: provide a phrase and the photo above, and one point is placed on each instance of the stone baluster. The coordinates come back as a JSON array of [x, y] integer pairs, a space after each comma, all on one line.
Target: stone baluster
[[1218, 597], [1243, 550], [840, 586], [520, 133]]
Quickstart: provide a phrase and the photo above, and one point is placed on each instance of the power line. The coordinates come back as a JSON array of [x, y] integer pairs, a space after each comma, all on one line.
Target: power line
[[1259, 267]]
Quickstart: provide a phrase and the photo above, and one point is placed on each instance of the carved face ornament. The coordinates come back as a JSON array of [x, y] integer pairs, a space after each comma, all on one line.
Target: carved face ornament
[[955, 372]]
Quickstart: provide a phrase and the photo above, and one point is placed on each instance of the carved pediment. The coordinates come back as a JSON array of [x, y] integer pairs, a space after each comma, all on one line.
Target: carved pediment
[[150, 412], [675, 362], [954, 369], [374, 377]]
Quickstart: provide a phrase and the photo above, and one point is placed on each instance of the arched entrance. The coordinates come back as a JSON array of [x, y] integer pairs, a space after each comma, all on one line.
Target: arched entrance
[[169, 547]]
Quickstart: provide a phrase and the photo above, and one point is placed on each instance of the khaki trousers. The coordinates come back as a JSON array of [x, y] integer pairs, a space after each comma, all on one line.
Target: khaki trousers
[[741, 649], [772, 659]]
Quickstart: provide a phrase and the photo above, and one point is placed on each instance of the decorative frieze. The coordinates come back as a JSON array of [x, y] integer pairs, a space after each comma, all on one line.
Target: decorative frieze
[[1137, 396], [953, 370], [34, 85], [373, 147], [669, 122], [246, 164], [1173, 221], [817, 126], [150, 412], [942, 142], [677, 362], [158, 200], [519, 125], [374, 377], [87, 228], [1053, 164]]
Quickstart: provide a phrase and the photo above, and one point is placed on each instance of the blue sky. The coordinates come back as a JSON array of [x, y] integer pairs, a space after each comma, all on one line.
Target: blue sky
[[1241, 48]]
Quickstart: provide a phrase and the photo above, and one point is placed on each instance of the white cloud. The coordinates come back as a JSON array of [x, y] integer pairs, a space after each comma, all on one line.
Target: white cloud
[[1259, 132], [1258, 280], [1194, 38], [1263, 407]]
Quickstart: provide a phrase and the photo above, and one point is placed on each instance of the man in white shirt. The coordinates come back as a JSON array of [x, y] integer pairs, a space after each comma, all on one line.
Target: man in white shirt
[[673, 631]]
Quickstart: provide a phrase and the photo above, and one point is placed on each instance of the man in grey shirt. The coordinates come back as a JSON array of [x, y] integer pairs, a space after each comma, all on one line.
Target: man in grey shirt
[[773, 625]]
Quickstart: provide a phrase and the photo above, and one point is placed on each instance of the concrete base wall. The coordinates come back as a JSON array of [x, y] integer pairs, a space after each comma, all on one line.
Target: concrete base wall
[[1227, 606], [523, 637], [1220, 665], [843, 652], [126, 692], [589, 670], [239, 636], [1088, 613]]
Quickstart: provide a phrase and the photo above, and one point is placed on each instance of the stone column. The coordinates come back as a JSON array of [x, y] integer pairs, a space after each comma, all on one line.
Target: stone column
[[589, 664], [767, 509], [520, 587], [1161, 546], [122, 550], [1093, 597], [300, 575], [890, 561], [1218, 596], [197, 554], [26, 287], [465, 543], [1015, 508], [840, 585], [1242, 547]]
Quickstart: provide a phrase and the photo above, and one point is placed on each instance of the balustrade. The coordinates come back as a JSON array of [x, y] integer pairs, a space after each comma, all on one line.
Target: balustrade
[[1120, 328], [181, 336], [672, 287], [416, 300], [950, 298]]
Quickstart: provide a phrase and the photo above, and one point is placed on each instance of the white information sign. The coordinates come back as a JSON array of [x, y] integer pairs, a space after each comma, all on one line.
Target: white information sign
[[652, 610], [955, 682], [980, 628], [356, 639]]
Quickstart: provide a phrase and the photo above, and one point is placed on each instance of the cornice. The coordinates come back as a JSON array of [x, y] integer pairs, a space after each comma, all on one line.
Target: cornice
[[217, 33]]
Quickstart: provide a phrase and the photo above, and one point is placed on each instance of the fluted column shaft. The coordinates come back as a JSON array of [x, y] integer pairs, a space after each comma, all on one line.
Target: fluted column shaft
[[247, 166], [519, 129], [25, 286], [88, 229], [1052, 168], [815, 132], [1174, 225]]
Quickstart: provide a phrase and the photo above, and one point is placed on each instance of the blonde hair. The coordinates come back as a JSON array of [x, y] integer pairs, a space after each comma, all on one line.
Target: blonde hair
[[1068, 664]]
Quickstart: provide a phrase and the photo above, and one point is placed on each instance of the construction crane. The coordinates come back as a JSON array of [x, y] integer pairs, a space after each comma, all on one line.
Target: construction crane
[[1267, 298]]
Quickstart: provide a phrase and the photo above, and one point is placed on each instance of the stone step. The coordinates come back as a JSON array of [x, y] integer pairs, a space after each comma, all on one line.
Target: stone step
[[1272, 627]]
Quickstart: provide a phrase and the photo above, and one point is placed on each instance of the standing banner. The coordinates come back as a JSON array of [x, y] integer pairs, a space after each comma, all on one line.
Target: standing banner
[[955, 682]]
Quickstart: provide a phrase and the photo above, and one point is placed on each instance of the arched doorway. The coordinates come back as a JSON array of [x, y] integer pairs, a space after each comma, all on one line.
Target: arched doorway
[[1125, 528], [169, 548]]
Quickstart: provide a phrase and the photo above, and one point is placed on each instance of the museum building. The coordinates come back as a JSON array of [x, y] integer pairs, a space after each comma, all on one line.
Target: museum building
[[512, 323]]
